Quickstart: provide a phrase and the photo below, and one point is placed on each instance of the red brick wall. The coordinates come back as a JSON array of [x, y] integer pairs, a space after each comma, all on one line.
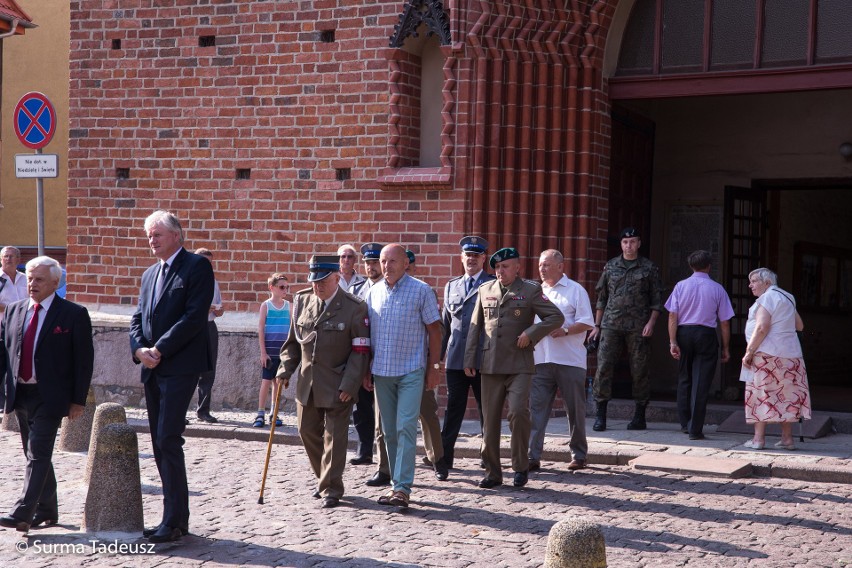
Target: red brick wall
[[270, 97], [525, 136]]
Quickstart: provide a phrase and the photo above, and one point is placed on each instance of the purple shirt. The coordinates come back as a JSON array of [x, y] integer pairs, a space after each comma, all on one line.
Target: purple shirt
[[698, 300]]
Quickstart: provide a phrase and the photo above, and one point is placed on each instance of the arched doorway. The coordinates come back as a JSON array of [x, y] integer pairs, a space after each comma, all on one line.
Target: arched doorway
[[748, 105]]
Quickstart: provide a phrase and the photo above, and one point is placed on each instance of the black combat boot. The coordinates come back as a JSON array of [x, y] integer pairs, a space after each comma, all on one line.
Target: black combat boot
[[638, 422], [600, 419]]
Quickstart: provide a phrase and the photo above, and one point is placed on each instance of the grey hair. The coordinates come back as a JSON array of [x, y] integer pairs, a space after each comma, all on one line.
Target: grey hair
[[557, 256], [347, 246], [165, 219], [765, 275], [52, 264], [13, 250]]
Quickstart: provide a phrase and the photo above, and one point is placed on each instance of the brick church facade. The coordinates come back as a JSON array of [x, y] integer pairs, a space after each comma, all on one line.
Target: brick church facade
[[278, 128]]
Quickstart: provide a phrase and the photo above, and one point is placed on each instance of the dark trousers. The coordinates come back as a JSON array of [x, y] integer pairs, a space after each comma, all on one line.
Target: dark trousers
[[205, 381], [167, 399], [699, 353], [364, 418], [38, 434], [458, 387]]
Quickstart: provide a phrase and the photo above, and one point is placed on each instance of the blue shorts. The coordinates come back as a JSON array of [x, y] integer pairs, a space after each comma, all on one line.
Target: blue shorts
[[268, 373]]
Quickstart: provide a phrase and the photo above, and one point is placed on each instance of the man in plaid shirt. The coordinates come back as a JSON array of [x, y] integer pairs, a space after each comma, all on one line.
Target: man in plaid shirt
[[403, 314]]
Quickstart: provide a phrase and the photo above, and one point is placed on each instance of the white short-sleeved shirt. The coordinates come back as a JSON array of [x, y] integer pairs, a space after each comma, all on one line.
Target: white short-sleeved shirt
[[781, 341], [573, 301], [12, 291]]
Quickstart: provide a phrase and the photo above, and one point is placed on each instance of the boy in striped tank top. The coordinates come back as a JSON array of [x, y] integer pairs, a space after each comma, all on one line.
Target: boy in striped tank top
[[272, 331]]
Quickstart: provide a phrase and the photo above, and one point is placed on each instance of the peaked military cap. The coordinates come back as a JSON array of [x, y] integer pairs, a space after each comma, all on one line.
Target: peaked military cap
[[473, 244], [323, 265], [371, 251], [503, 254], [629, 232]]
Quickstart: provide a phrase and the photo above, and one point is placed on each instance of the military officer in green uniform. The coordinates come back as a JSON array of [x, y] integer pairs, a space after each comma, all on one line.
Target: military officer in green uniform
[[330, 339], [630, 298], [505, 313]]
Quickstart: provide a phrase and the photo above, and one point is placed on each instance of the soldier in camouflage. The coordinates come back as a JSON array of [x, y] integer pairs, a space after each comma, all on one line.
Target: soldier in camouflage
[[630, 297]]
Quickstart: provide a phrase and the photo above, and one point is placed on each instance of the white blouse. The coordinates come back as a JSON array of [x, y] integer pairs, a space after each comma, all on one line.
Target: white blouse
[[781, 341]]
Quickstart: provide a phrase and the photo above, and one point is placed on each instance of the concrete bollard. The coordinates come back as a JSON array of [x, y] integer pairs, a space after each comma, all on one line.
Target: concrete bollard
[[575, 543], [114, 498], [10, 422], [106, 413], [75, 434]]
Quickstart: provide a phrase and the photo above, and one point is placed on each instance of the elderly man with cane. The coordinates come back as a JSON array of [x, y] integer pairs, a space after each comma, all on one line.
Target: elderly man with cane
[[330, 339]]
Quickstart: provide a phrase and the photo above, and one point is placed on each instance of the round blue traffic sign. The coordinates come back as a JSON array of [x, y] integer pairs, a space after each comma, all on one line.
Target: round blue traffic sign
[[35, 120]]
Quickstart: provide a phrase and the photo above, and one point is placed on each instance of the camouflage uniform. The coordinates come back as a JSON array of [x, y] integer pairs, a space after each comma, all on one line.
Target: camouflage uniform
[[627, 293]]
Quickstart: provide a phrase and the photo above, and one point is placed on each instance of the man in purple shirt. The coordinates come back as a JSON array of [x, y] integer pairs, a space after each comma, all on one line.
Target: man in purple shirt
[[696, 304]]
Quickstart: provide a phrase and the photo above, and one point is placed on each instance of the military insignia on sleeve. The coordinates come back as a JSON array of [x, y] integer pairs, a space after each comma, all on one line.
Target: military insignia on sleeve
[[361, 344], [367, 322]]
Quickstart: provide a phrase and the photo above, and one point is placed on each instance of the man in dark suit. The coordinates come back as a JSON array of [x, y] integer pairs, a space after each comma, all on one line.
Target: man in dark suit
[[459, 301], [330, 339], [168, 336], [46, 363]]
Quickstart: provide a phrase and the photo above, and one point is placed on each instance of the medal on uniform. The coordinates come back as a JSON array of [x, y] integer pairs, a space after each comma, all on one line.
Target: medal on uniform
[[517, 313], [340, 326]]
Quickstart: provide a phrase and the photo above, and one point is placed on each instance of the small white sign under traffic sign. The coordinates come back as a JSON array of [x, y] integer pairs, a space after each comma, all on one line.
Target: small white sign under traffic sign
[[36, 166]]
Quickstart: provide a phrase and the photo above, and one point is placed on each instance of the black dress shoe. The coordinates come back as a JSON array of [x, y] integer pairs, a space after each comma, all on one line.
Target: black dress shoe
[[316, 494], [11, 522], [379, 479], [698, 436], [329, 502], [46, 519], [488, 483], [442, 472], [361, 460], [166, 533], [521, 478], [535, 465], [207, 418], [148, 532]]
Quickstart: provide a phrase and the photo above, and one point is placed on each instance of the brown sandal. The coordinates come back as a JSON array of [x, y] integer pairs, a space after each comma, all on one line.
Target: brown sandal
[[399, 499], [386, 498]]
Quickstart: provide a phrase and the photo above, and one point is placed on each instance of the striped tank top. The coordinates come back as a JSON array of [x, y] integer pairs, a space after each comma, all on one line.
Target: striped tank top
[[277, 327]]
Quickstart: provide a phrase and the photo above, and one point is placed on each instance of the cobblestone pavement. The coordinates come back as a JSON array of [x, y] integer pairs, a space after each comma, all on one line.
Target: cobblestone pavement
[[648, 518]]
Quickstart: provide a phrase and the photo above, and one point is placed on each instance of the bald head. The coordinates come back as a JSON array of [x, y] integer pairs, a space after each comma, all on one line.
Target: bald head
[[394, 261]]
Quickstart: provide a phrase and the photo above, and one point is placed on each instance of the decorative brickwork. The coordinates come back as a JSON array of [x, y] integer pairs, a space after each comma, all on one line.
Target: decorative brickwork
[[296, 92]]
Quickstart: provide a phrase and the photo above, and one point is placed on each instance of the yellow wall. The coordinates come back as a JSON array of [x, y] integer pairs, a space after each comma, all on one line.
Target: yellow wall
[[35, 61]]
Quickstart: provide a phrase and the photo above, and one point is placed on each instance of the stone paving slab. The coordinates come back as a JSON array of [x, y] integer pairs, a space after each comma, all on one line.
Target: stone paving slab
[[828, 457], [692, 465], [648, 518]]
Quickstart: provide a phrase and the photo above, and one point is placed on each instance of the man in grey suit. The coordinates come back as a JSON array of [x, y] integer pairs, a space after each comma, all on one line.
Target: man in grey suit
[[504, 313], [459, 301], [330, 338]]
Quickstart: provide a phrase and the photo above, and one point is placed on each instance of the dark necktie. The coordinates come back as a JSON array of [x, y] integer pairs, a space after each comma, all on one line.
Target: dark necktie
[[468, 285], [161, 279], [25, 370]]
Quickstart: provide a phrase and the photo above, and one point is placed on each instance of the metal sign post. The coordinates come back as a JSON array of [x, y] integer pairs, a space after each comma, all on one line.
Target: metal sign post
[[35, 123]]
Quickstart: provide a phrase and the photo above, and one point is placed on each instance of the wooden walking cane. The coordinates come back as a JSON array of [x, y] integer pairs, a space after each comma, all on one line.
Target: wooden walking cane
[[278, 386]]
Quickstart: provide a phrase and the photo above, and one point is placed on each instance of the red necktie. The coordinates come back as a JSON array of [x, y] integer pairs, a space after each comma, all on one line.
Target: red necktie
[[26, 367]]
